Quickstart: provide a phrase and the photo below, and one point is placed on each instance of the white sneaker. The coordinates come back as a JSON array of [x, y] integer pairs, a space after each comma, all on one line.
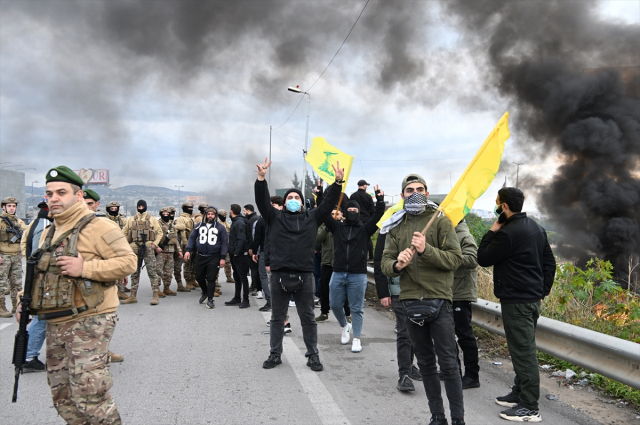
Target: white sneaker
[[259, 295], [356, 347], [292, 303], [346, 334]]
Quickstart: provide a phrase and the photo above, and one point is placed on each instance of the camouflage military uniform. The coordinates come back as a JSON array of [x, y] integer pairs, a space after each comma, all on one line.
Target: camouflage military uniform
[[165, 259], [227, 261], [11, 267], [78, 369], [184, 225], [120, 220]]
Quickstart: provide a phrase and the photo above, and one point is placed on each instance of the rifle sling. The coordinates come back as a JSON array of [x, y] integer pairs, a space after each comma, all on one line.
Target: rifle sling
[[63, 313]]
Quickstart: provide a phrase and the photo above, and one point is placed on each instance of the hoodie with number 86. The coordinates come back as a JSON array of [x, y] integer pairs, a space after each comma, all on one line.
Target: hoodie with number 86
[[209, 239]]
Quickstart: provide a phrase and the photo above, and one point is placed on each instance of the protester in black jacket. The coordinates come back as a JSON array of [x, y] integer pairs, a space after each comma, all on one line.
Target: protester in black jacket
[[259, 236], [293, 236], [523, 271], [252, 219], [349, 278], [239, 253], [209, 240], [366, 208]]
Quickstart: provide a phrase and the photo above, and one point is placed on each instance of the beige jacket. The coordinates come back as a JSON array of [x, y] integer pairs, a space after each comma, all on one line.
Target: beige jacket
[[7, 247], [106, 254], [154, 224], [184, 225]]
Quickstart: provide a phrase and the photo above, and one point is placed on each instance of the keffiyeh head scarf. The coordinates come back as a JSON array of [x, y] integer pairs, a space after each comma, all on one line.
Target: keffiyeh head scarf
[[413, 205]]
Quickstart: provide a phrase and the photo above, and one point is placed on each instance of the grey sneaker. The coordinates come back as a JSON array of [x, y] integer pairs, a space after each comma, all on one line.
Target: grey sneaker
[[211, 304], [509, 400], [405, 384], [521, 414]]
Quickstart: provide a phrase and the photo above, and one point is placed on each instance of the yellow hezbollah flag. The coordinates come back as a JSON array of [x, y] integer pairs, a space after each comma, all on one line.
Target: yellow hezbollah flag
[[479, 174], [388, 213], [322, 155]]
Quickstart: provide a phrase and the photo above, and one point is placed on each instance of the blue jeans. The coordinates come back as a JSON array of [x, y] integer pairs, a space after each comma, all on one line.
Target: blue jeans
[[37, 334], [351, 286]]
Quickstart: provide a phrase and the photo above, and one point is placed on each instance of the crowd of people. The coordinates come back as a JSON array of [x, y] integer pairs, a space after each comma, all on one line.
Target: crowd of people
[[296, 256]]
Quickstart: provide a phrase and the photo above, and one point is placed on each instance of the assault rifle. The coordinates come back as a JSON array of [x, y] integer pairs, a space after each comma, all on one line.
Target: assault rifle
[[142, 249], [17, 234], [22, 336], [165, 241]]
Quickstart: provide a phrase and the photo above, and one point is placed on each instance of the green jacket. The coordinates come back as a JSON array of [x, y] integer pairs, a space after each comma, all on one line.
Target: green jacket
[[429, 275], [465, 279], [325, 238]]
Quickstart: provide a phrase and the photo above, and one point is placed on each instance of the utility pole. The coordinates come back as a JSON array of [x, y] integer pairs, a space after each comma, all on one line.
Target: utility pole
[[518, 171], [178, 194]]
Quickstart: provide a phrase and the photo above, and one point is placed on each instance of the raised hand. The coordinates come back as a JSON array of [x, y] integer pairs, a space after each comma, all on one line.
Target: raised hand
[[377, 191], [262, 169], [339, 172]]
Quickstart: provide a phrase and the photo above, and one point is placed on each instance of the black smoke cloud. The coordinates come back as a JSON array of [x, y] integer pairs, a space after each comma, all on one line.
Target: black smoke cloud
[[539, 53]]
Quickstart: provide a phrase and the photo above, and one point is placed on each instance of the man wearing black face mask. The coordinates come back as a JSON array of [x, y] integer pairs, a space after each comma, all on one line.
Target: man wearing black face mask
[[523, 271], [349, 279], [184, 225], [169, 246]]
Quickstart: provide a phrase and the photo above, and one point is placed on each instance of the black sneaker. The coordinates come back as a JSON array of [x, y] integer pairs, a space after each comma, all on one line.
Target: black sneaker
[[521, 414], [273, 361], [314, 363], [415, 374], [438, 419], [211, 304], [287, 328], [405, 384], [203, 298], [233, 301], [316, 304], [34, 365], [469, 382], [244, 304], [265, 307], [457, 421], [509, 400]]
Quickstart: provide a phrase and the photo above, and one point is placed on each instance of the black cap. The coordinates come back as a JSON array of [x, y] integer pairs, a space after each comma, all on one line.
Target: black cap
[[362, 182], [296, 191]]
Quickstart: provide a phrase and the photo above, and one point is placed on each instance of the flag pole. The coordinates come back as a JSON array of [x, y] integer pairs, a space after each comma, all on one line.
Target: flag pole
[[426, 229]]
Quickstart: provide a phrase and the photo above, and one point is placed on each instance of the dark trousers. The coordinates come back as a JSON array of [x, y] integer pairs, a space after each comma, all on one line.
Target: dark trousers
[[403, 342], [255, 274], [240, 264], [304, 305], [317, 273], [466, 339], [429, 340], [207, 273], [326, 272], [520, 321]]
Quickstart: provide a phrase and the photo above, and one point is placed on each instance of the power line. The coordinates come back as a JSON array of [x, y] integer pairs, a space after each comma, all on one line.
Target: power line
[[325, 70]]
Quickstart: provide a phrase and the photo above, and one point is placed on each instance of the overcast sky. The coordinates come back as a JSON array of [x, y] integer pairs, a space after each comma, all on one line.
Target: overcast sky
[[167, 93]]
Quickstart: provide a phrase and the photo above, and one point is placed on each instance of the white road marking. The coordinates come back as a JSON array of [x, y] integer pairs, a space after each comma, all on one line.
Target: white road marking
[[325, 406], [5, 325]]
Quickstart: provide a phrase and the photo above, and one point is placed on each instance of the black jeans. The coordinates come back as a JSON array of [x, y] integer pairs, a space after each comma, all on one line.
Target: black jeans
[[304, 304], [429, 340], [240, 264], [255, 275], [207, 273], [325, 277], [403, 342], [466, 339]]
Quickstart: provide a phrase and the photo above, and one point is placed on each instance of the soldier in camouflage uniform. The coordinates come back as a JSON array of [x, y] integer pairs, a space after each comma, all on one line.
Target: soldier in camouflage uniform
[[139, 227], [11, 228], [184, 225], [169, 246], [198, 218], [177, 260], [78, 338], [222, 218], [113, 214]]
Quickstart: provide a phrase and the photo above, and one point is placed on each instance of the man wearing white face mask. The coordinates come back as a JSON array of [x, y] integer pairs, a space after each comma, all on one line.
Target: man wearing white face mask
[[293, 236]]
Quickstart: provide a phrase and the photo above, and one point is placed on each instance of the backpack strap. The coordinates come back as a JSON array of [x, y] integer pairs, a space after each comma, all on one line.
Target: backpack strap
[[73, 241]]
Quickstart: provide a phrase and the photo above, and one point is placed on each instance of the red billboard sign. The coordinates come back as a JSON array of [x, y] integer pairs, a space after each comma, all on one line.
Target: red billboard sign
[[90, 176]]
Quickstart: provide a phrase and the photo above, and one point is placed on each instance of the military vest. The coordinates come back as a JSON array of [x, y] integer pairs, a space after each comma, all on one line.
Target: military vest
[[119, 220], [139, 228], [6, 236], [54, 291], [173, 233]]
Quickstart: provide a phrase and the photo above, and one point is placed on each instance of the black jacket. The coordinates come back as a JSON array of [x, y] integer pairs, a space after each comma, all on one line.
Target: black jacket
[[523, 264], [350, 242], [367, 207], [258, 237], [212, 241], [293, 235], [251, 219], [238, 237]]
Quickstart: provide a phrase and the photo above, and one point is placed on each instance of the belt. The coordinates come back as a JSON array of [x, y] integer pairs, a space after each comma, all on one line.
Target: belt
[[63, 313], [212, 255]]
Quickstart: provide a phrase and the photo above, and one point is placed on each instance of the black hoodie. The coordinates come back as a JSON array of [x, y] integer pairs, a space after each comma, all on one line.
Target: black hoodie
[[293, 234]]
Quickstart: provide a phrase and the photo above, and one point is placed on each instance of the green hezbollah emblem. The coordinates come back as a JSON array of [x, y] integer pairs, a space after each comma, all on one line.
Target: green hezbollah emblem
[[326, 166]]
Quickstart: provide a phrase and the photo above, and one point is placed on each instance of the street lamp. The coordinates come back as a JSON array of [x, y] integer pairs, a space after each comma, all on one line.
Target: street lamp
[[296, 89], [518, 171], [35, 181], [178, 193]]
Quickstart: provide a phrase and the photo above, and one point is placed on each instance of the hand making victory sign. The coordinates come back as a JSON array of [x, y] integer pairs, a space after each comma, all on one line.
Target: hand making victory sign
[[262, 169]]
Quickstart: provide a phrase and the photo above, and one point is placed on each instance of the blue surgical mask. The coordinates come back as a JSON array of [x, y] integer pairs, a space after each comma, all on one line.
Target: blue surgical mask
[[293, 205]]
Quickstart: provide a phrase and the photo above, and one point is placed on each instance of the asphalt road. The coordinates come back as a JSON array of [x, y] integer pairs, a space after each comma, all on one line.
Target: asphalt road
[[186, 364]]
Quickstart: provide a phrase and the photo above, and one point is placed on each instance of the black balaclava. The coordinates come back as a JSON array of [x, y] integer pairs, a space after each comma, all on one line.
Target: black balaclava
[[352, 217], [172, 215], [142, 203], [201, 209], [222, 218], [44, 213], [165, 218], [113, 213], [188, 210]]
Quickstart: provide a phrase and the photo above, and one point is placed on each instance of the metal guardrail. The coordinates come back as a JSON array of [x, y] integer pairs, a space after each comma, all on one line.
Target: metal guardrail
[[606, 355]]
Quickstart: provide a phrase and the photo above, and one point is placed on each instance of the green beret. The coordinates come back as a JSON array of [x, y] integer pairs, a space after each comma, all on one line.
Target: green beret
[[88, 193], [65, 174]]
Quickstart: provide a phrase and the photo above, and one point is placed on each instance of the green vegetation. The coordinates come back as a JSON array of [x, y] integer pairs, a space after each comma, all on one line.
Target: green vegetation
[[477, 226]]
